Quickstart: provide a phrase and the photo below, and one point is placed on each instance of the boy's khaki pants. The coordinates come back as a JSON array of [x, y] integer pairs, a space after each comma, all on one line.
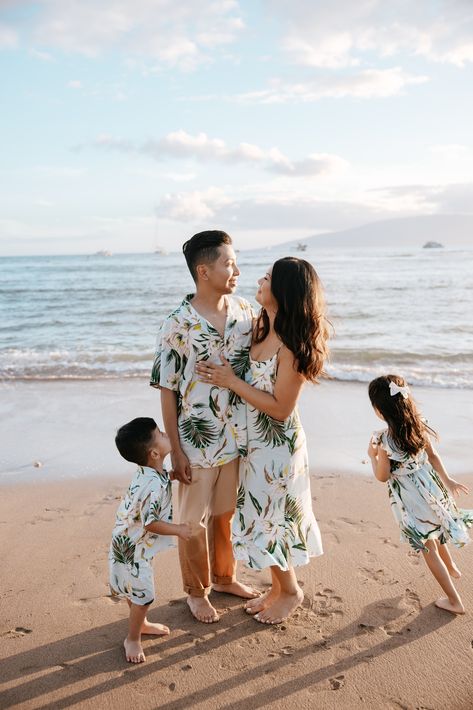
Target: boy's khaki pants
[[208, 502]]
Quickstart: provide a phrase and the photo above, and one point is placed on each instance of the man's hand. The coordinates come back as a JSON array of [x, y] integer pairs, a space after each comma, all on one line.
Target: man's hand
[[181, 467]]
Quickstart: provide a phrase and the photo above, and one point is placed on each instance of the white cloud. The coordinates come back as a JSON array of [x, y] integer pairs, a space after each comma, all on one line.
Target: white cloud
[[366, 84], [192, 206], [344, 33], [8, 37], [174, 34], [202, 148]]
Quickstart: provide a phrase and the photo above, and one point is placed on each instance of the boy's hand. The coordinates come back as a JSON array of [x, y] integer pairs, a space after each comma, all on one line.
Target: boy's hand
[[456, 488], [185, 531], [181, 468]]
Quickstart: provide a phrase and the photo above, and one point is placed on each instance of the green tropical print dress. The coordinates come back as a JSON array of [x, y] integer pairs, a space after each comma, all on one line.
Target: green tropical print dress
[[147, 500], [420, 502], [274, 523]]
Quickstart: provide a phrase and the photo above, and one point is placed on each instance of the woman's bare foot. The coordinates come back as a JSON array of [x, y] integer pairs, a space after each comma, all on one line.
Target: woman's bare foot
[[202, 609], [134, 651], [254, 606], [151, 629], [282, 607], [452, 607], [238, 589]]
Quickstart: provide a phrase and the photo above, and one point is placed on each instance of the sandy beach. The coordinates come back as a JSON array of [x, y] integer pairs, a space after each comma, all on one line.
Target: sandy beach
[[368, 634]]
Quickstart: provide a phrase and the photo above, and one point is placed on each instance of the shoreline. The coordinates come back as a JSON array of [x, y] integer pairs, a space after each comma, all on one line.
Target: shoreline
[[67, 428]]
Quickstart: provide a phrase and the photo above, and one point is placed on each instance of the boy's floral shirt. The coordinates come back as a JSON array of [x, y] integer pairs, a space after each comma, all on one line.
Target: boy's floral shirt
[[211, 420], [147, 500]]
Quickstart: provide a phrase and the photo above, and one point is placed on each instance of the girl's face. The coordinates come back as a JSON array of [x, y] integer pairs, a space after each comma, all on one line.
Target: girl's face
[[264, 294]]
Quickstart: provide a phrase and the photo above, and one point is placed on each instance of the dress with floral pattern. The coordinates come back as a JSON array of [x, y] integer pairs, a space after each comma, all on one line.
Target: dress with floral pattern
[[420, 502], [274, 523], [147, 500], [211, 419]]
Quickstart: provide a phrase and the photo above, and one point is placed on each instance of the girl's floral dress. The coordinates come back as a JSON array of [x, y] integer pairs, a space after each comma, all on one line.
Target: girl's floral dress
[[421, 504], [274, 523]]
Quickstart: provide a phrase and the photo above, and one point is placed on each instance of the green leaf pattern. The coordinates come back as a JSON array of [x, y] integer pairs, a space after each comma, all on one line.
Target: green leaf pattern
[[420, 502], [208, 416], [274, 522], [147, 500]]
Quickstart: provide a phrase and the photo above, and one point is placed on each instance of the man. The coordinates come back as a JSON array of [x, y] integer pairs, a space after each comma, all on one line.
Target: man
[[206, 424]]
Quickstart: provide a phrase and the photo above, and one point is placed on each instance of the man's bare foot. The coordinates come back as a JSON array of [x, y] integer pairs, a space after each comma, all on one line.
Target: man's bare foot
[[453, 608], [154, 629], [254, 606], [454, 572], [134, 651], [202, 609], [238, 589], [282, 607]]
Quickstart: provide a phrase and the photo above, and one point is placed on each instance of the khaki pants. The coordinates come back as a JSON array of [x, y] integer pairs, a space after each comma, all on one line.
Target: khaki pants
[[209, 504]]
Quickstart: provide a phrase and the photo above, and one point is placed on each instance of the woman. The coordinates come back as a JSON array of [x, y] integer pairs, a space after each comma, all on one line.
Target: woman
[[274, 525]]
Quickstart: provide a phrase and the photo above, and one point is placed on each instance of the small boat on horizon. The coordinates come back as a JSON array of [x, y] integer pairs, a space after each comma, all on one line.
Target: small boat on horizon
[[301, 246], [103, 252]]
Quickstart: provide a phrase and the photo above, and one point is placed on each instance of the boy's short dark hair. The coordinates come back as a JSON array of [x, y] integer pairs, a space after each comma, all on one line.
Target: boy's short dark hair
[[133, 439], [203, 248]]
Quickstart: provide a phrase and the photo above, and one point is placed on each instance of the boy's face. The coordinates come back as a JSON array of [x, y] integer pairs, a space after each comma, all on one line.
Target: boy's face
[[222, 274], [160, 445]]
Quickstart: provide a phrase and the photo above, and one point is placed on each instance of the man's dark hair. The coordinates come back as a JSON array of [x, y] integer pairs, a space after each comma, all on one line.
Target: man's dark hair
[[202, 248], [133, 439]]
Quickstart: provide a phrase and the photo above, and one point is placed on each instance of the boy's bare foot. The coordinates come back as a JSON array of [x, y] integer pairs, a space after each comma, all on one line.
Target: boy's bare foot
[[281, 608], [262, 602], [154, 629], [134, 651], [453, 608], [238, 589], [202, 609], [454, 572]]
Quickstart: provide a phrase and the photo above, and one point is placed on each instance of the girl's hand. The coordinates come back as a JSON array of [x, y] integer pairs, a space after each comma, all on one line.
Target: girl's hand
[[456, 488], [220, 375], [185, 531], [372, 450]]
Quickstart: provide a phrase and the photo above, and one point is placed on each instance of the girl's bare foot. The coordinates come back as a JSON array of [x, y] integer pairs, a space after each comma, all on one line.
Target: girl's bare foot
[[254, 606], [134, 651], [202, 609], [453, 571], [154, 629], [238, 589], [452, 607], [282, 607]]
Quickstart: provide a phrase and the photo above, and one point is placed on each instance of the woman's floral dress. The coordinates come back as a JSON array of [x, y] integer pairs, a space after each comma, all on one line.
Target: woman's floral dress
[[421, 504], [274, 523]]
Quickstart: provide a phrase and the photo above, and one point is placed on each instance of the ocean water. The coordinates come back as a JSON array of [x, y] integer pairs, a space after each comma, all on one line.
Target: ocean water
[[86, 317]]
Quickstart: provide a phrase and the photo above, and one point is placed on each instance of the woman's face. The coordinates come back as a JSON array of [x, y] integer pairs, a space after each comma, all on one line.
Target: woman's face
[[264, 294]]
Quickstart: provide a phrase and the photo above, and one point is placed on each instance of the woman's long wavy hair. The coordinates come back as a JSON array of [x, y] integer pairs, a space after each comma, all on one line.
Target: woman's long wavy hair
[[406, 426], [300, 321]]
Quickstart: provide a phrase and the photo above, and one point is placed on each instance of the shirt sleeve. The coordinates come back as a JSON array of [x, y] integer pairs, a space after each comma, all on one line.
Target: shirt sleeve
[[170, 356], [379, 439], [158, 506]]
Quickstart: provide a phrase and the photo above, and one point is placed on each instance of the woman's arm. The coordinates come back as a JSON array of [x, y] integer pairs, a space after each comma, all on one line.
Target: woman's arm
[[184, 530], [453, 486], [379, 462], [278, 405]]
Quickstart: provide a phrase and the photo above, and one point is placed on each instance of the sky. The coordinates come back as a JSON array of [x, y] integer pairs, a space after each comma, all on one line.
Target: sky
[[129, 126]]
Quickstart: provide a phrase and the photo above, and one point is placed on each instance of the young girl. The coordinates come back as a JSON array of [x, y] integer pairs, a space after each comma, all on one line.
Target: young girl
[[419, 487]]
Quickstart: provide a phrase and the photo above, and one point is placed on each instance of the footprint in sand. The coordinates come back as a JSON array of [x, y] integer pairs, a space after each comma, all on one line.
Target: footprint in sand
[[337, 682], [17, 632], [325, 603], [374, 572], [359, 526]]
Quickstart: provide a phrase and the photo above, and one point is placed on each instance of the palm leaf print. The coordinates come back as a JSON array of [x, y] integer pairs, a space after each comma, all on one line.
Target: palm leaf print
[[240, 497], [256, 503], [174, 355], [293, 512], [123, 550], [156, 371], [270, 430], [240, 362], [198, 432]]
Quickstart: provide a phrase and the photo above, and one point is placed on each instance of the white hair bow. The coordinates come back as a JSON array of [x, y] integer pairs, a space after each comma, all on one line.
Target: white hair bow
[[395, 389]]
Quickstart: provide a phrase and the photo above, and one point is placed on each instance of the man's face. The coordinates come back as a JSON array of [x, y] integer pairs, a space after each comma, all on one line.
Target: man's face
[[223, 273]]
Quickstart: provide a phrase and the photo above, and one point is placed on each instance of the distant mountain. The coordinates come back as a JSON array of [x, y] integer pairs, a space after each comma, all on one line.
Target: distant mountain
[[449, 230]]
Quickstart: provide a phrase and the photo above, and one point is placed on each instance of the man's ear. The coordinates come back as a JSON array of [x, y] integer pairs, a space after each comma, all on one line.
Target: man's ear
[[202, 272]]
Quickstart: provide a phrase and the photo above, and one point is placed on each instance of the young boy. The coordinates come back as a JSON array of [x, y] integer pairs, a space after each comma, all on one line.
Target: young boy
[[142, 523], [206, 424]]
